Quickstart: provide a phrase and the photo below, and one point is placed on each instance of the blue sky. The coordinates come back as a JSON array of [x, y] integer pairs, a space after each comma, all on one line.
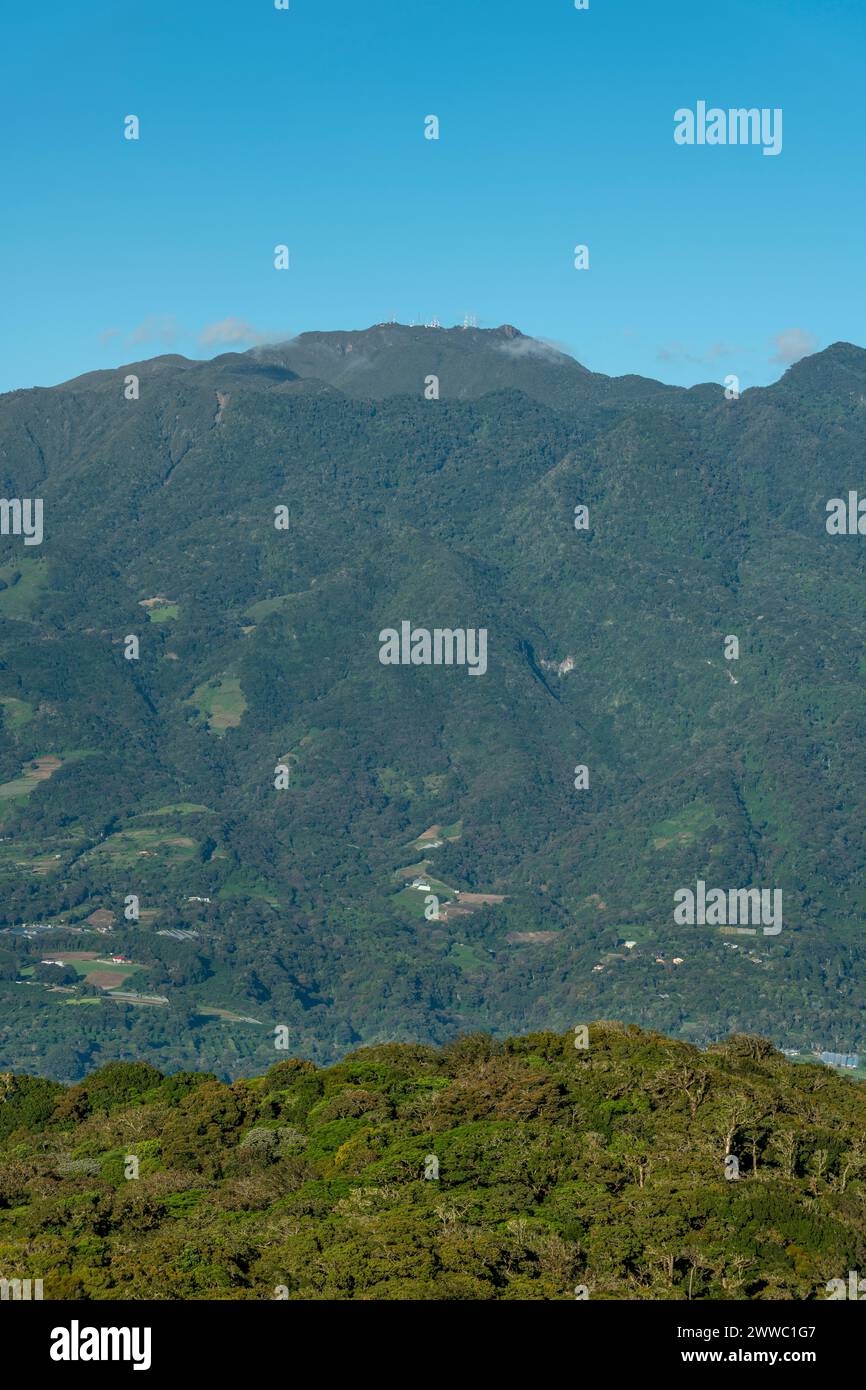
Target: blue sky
[[306, 127]]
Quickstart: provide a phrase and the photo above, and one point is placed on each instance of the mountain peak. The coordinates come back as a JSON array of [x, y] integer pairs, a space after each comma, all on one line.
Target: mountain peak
[[837, 367], [389, 359]]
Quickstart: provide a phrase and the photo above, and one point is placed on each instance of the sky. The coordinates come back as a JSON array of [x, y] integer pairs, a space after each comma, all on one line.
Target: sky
[[305, 127]]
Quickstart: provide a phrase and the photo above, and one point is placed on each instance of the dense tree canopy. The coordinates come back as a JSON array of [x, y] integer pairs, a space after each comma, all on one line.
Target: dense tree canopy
[[517, 1169]]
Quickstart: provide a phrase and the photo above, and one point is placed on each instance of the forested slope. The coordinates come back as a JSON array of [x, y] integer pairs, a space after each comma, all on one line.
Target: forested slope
[[258, 647]]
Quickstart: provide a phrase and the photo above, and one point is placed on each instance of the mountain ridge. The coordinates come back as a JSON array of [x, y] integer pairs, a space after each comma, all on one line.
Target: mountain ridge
[[391, 335]]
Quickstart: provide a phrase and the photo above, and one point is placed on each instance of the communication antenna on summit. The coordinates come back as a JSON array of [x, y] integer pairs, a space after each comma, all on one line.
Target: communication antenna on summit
[[470, 320]]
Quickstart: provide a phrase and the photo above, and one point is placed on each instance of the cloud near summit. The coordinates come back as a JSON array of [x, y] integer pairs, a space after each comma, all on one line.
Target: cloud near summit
[[532, 347], [231, 331], [792, 344]]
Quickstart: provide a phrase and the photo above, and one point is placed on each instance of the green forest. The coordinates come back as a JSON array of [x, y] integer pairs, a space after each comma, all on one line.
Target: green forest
[[530, 1168]]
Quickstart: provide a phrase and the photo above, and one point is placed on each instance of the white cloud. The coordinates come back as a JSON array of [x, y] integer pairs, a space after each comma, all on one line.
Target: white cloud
[[231, 331], [792, 344], [532, 347]]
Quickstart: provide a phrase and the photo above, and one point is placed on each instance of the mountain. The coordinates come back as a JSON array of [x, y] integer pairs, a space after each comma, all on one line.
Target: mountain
[[391, 359], [635, 1168], [153, 778]]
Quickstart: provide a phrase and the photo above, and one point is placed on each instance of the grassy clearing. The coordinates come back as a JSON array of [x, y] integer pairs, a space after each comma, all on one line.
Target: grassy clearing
[[16, 712], [225, 1015], [39, 770], [25, 583], [40, 856], [127, 847], [264, 606], [413, 870], [640, 934], [165, 614], [683, 828], [105, 974], [43, 864], [435, 833], [412, 900], [243, 884], [159, 609], [466, 958], [220, 703]]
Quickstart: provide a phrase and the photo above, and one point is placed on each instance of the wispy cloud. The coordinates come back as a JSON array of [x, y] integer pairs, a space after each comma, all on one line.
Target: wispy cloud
[[156, 328], [678, 352], [792, 344], [228, 332], [532, 347]]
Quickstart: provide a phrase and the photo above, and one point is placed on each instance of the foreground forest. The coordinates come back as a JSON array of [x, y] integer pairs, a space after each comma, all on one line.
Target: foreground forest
[[563, 1172]]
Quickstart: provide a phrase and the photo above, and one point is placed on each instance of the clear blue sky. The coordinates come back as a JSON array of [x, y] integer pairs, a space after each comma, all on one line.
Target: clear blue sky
[[305, 127]]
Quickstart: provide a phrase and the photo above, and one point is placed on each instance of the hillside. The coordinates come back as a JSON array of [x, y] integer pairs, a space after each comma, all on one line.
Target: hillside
[[551, 1173], [153, 779]]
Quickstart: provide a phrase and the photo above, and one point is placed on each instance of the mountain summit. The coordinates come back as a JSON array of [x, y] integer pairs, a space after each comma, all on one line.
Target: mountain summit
[[392, 359]]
